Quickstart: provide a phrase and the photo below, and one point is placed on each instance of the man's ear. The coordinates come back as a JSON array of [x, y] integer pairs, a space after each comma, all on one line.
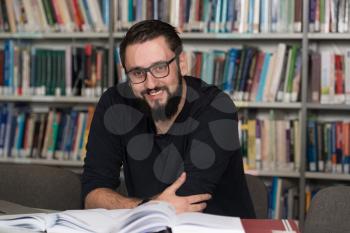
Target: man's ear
[[183, 63]]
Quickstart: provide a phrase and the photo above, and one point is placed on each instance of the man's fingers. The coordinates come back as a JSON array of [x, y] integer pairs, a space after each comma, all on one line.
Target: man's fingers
[[177, 184], [198, 198], [197, 207]]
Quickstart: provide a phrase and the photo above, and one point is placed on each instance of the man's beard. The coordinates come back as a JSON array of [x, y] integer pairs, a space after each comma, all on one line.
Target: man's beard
[[161, 112]]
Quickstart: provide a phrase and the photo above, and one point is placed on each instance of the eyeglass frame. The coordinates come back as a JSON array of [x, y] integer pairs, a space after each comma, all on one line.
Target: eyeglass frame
[[148, 69]]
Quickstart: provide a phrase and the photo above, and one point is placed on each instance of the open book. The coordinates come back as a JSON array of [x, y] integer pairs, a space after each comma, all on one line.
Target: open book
[[153, 216]]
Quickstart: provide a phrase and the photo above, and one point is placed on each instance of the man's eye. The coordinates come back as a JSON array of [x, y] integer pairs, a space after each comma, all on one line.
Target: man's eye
[[137, 73], [160, 67]]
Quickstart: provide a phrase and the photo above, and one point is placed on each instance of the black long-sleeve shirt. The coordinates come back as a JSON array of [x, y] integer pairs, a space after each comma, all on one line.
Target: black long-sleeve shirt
[[203, 142]]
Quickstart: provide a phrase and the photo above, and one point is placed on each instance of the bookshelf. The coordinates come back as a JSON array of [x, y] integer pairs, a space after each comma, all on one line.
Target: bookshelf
[[327, 113], [301, 109], [50, 99]]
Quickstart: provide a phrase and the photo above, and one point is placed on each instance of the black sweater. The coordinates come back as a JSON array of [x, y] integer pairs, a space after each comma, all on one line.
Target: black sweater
[[203, 142]]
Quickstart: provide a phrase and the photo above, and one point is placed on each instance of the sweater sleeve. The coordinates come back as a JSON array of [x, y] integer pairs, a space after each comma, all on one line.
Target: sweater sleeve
[[104, 152]]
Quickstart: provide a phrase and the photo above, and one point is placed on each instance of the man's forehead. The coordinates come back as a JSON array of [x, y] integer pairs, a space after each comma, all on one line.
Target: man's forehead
[[148, 52]]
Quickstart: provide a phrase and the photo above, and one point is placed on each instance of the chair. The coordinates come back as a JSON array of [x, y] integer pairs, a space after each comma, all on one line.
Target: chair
[[40, 186], [329, 211], [259, 195]]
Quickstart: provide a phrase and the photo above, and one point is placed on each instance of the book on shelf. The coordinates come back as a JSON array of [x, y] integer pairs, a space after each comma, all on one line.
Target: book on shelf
[[150, 217], [41, 16], [328, 147], [250, 74], [329, 16], [59, 71], [43, 133], [330, 77], [270, 144], [283, 199], [217, 16]]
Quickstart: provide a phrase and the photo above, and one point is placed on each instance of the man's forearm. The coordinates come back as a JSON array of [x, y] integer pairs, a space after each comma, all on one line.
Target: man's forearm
[[109, 199]]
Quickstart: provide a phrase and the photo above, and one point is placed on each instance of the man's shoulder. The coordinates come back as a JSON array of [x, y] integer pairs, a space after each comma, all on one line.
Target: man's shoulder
[[207, 97], [115, 95]]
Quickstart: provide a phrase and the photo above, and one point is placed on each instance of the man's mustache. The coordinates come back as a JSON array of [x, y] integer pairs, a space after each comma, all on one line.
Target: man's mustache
[[148, 91]]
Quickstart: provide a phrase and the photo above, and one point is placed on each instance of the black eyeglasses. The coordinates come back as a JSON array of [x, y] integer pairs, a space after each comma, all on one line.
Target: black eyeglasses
[[158, 70]]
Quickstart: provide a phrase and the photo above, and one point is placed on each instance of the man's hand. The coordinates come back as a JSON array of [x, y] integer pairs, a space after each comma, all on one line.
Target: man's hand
[[193, 203]]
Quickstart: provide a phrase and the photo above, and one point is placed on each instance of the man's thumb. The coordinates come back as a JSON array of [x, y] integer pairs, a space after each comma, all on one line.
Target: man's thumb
[[177, 184]]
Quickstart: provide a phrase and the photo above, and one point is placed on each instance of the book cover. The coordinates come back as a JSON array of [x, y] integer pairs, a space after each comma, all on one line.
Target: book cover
[[263, 76], [312, 145], [315, 83]]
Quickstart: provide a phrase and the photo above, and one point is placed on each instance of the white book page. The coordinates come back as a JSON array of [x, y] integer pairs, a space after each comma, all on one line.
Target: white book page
[[199, 222], [94, 220], [152, 216], [35, 222]]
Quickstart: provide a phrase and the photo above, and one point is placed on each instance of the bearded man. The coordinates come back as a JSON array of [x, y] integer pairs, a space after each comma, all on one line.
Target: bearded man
[[175, 136]]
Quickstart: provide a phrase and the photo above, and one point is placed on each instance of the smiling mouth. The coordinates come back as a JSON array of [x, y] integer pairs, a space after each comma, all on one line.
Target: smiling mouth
[[154, 92]]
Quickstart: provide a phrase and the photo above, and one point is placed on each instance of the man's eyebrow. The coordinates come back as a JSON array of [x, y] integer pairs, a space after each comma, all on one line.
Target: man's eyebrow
[[135, 68]]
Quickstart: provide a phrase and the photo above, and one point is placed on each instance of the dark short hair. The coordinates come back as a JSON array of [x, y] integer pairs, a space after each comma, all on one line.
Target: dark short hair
[[148, 30]]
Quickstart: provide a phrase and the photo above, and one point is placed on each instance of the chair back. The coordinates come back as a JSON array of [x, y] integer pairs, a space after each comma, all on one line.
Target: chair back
[[329, 211], [40, 186], [259, 195]]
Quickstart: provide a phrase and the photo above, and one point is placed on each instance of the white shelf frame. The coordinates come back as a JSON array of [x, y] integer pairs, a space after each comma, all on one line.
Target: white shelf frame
[[327, 176], [231, 36], [267, 105], [55, 35], [263, 173], [50, 99], [317, 106], [49, 162], [328, 36]]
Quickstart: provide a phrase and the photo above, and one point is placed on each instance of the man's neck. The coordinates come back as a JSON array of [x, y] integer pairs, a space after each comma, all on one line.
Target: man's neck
[[163, 126]]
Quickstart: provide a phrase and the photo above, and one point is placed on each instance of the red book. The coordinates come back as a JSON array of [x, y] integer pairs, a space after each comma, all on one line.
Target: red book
[[339, 74], [99, 57], [346, 138], [267, 225], [88, 54], [198, 10], [58, 15], [78, 18], [198, 67]]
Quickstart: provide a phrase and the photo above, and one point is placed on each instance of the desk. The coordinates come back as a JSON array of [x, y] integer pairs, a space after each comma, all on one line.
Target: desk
[[7, 207], [261, 226]]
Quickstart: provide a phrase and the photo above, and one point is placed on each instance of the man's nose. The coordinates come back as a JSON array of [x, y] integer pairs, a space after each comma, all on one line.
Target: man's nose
[[151, 81]]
